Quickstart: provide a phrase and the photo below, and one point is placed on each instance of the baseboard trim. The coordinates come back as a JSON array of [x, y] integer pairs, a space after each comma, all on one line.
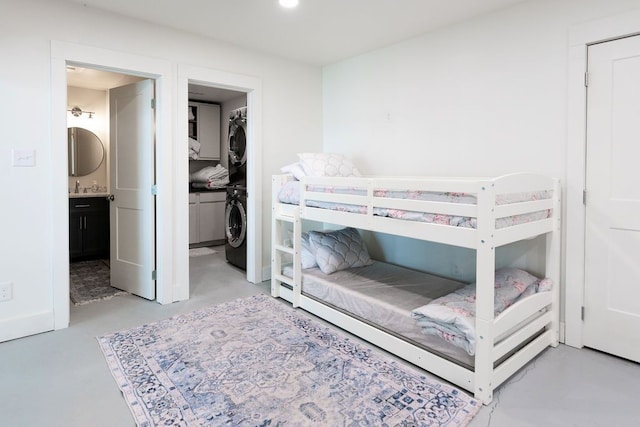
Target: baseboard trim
[[24, 326]]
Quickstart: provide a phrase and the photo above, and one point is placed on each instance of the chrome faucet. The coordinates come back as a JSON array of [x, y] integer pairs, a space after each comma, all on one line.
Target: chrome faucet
[[77, 190]]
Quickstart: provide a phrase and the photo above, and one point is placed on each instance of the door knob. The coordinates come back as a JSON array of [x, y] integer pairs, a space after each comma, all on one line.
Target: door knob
[[111, 197]]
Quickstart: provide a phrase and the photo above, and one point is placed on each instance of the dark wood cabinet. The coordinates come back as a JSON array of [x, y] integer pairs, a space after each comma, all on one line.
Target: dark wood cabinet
[[88, 228]]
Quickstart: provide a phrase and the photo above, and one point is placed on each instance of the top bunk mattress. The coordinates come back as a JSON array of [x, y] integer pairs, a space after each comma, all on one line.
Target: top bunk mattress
[[384, 295], [290, 193]]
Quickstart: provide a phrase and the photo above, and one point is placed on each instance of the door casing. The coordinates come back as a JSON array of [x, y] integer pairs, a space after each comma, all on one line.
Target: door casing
[[252, 86], [172, 216], [580, 37], [612, 228]]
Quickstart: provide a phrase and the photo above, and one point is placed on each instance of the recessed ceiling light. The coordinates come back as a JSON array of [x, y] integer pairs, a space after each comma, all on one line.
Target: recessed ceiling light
[[288, 3]]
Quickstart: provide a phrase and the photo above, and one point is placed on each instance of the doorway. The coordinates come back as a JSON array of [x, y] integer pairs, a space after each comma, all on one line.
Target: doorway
[[172, 199], [612, 235], [110, 118], [581, 36], [210, 164], [202, 80]]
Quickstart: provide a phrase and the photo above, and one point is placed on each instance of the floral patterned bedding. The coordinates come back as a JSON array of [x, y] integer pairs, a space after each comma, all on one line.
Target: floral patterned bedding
[[290, 194], [452, 317]]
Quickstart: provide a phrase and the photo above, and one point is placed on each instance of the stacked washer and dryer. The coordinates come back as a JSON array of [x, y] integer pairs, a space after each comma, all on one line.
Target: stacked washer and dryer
[[236, 204]]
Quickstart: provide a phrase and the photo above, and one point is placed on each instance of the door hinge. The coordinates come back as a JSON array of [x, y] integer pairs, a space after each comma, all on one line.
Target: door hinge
[[153, 103], [582, 313], [586, 79], [154, 190], [154, 275], [584, 197]]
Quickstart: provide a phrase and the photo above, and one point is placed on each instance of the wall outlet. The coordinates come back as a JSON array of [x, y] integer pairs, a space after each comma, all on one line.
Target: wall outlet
[[6, 291]]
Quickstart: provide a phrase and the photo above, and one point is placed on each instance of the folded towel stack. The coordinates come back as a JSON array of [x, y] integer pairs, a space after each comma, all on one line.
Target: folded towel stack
[[210, 177], [194, 149]]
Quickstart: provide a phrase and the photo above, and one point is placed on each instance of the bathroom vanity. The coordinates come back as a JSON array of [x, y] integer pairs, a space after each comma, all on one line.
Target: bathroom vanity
[[88, 227], [88, 209]]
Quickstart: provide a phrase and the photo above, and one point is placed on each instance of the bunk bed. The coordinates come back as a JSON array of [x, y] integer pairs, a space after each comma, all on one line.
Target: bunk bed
[[477, 213]]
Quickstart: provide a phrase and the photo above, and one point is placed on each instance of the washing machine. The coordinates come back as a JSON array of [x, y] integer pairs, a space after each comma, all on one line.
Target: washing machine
[[237, 145], [236, 226]]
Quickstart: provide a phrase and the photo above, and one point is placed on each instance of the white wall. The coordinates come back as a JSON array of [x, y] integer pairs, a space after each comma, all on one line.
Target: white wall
[[487, 96], [26, 30], [484, 97]]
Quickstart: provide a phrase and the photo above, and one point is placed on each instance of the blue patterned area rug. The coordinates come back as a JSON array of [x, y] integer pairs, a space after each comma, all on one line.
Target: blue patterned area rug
[[258, 362]]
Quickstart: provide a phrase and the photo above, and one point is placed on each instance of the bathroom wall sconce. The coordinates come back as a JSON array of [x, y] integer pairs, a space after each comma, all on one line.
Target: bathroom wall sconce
[[77, 112]]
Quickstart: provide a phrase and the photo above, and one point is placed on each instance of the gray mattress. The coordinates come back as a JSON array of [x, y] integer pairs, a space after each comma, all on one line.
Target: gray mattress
[[384, 295]]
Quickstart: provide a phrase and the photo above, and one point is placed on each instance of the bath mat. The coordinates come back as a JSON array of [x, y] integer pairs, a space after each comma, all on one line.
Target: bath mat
[[201, 251], [89, 281], [258, 362]]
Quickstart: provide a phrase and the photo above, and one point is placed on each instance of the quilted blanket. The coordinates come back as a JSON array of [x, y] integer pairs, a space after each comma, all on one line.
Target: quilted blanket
[[452, 317]]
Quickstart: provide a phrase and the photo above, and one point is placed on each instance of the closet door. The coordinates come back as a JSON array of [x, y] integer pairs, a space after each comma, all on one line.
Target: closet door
[[612, 266]]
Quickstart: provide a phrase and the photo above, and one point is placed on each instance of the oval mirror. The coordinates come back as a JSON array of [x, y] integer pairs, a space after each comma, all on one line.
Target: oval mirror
[[85, 150]]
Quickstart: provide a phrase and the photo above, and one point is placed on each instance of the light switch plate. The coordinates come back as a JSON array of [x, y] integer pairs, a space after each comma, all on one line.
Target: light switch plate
[[23, 157]]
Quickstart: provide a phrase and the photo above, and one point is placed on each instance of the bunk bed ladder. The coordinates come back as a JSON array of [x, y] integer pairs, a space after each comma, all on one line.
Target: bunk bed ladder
[[286, 247]]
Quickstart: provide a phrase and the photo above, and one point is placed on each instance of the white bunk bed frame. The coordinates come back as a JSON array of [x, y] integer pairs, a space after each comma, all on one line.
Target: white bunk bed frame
[[521, 321]]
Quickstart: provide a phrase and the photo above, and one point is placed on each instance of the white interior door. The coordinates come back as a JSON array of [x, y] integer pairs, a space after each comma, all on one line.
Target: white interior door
[[132, 176], [612, 257]]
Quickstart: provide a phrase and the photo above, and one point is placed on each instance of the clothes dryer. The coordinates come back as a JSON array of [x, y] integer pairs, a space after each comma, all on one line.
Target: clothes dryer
[[237, 145], [236, 226]]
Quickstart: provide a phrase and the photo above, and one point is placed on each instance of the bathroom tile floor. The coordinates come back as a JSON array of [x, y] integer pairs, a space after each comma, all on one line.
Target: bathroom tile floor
[[61, 379]]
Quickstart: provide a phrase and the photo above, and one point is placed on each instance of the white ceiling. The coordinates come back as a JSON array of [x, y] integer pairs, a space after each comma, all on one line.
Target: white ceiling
[[91, 78], [317, 32]]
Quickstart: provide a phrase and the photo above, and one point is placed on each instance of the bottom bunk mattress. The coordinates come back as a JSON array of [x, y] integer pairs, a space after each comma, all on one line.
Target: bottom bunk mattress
[[384, 295]]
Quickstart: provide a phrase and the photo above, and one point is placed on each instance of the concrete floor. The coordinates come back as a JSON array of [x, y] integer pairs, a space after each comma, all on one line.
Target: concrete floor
[[61, 379]]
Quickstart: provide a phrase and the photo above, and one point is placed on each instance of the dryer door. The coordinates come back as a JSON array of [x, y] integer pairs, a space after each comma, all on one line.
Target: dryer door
[[238, 137], [235, 223]]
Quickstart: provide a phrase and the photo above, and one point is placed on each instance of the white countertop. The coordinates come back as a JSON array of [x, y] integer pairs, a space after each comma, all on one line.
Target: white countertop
[[83, 195]]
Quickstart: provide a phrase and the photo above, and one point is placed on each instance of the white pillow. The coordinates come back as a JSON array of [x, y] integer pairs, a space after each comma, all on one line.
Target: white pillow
[[294, 169], [327, 164], [338, 250]]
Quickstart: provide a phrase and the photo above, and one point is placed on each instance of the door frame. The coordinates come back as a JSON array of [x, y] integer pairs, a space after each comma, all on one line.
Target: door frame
[[252, 86], [162, 72], [580, 37]]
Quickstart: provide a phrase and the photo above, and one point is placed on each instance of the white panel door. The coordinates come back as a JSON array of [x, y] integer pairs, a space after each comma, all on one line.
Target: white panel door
[[612, 257], [132, 176]]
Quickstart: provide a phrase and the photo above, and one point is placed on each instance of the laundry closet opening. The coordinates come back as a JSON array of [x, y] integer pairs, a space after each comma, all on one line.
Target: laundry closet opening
[[217, 152]]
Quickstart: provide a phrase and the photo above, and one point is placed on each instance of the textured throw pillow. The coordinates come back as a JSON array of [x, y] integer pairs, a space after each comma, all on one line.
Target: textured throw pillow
[[338, 250], [307, 257], [307, 254], [327, 164]]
